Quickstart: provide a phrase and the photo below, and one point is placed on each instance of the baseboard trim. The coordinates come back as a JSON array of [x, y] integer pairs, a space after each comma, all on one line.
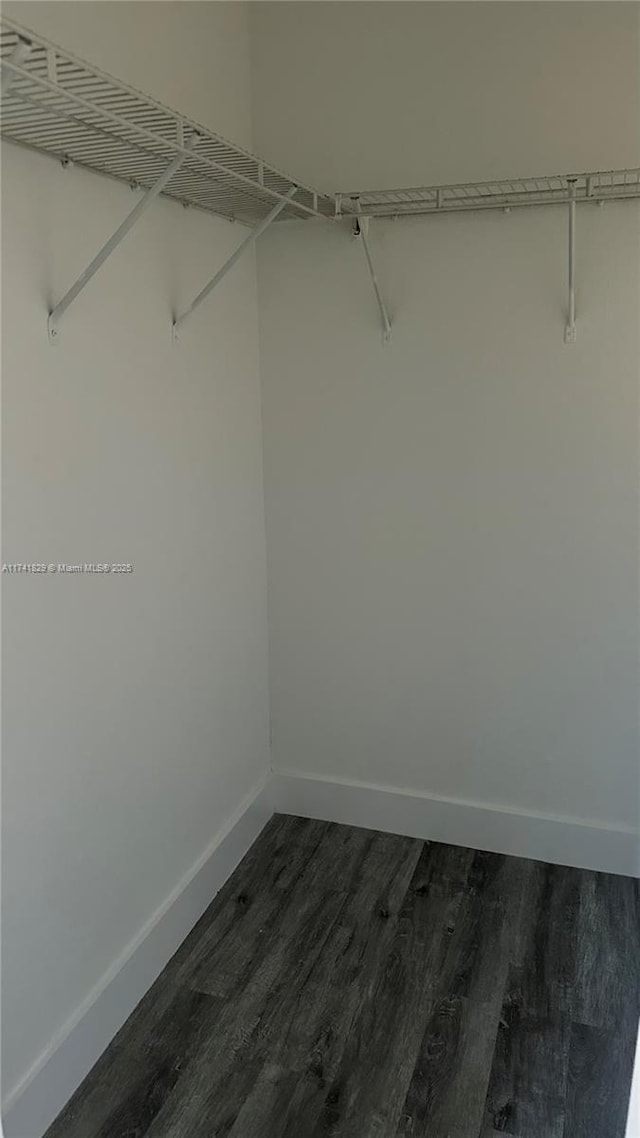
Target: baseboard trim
[[563, 841], [31, 1106]]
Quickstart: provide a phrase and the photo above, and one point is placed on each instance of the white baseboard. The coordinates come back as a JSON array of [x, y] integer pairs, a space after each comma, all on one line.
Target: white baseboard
[[31, 1106], [478, 825]]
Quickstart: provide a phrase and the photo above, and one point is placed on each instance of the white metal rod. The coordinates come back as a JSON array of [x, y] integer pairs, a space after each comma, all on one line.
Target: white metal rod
[[571, 322], [18, 56], [113, 242], [386, 323], [250, 239], [143, 132]]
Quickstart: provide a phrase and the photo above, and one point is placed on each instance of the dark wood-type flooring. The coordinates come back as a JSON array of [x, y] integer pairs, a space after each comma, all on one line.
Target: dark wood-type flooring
[[352, 984]]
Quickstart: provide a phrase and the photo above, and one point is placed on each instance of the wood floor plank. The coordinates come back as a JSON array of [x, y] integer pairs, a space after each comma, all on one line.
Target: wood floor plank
[[527, 1086], [389, 1026], [546, 978], [599, 1082], [608, 960], [303, 1059], [483, 944], [448, 1088]]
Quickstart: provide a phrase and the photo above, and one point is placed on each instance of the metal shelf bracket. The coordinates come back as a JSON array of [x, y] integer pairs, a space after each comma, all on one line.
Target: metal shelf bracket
[[113, 242], [363, 223], [570, 326], [249, 240]]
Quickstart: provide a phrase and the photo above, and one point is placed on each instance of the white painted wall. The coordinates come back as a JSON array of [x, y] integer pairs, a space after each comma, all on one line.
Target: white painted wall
[[368, 95], [135, 707], [452, 521]]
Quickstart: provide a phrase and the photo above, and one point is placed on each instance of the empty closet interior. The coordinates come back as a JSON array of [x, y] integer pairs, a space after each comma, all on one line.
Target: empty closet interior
[[320, 569]]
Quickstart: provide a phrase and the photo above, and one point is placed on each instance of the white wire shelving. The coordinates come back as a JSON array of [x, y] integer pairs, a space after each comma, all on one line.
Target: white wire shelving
[[59, 105], [598, 186], [420, 201]]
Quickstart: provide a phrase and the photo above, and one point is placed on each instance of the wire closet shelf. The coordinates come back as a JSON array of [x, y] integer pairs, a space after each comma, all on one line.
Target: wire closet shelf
[[59, 105], [611, 185], [56, 103]]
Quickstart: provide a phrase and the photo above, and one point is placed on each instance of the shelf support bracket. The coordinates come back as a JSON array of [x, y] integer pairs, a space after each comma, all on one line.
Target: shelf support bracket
[[362, 233], [114, 241], [249, 240], [570, 326], [19, 55]]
